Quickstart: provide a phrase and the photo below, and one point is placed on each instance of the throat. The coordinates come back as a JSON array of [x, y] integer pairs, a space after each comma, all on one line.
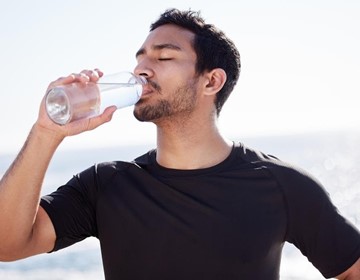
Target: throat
[[193, 156]]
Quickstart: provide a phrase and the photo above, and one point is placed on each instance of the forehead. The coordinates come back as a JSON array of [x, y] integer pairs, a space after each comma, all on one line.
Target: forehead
[[170, 34]]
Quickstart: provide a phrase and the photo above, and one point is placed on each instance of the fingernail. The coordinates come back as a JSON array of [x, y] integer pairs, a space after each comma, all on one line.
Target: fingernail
[[84, 76], [95, 74]]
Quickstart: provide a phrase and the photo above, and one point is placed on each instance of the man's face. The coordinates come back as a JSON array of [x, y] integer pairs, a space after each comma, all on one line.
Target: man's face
[[167, 59]]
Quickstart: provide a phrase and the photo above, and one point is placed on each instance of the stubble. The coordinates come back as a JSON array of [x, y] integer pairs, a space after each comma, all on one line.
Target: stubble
[[181, 102]]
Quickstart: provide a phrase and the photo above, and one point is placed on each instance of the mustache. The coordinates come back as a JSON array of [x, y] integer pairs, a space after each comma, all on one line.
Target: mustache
[[154, 85]]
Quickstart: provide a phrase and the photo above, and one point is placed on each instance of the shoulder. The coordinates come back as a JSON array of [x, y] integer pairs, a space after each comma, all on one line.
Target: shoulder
[[120, 166], [107, 170], [314, 225], [299, 187], [288, 176]]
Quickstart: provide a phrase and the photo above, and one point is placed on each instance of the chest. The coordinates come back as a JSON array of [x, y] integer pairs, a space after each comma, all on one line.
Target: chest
[[228, 216]]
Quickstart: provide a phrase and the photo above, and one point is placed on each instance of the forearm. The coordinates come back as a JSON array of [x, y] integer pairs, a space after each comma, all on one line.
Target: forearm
[[24, 230], [21, 186]]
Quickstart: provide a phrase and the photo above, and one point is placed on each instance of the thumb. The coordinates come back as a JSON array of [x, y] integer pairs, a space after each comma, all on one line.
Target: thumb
[[82, 125]]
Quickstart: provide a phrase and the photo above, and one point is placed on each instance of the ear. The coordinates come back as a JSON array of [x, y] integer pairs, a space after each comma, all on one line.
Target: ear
[[216, 79]]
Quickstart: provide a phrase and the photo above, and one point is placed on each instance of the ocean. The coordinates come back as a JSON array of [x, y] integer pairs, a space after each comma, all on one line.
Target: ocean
[[332, 157]]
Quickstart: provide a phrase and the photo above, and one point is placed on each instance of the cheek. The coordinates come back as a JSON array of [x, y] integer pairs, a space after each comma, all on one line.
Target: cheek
[[174, 75]]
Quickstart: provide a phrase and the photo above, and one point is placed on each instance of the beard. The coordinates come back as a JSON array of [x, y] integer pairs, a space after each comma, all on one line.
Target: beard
[[181, 101]]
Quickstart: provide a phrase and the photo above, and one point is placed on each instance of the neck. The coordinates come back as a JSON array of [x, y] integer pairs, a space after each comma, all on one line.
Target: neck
[[191, 145]]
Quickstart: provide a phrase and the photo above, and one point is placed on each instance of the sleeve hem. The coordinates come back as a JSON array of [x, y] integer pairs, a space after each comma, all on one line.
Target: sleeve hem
[[344, 266]]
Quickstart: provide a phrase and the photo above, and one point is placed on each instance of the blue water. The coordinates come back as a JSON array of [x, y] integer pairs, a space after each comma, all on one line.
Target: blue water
[[331, 157]]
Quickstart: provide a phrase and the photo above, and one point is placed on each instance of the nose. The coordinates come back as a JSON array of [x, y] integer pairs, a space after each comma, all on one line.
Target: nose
[[143, 69]]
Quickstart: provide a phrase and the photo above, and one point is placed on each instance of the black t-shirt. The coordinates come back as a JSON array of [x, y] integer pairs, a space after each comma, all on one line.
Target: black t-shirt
[[229, 221]]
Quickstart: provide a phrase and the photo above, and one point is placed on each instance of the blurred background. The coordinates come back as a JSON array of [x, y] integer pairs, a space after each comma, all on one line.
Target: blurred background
[[297, 96]]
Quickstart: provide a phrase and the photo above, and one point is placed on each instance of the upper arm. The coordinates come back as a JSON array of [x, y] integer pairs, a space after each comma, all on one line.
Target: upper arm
[[43, 235], [330, 242], [41, 240], [353, 273]]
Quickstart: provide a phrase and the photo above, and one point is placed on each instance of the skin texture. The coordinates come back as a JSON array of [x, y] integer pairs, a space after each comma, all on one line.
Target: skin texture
[[26, 229], [187, 125], [179, 101]]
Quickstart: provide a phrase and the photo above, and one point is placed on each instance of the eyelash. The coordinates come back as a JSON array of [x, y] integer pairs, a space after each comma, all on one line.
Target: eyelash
[[164, 59]]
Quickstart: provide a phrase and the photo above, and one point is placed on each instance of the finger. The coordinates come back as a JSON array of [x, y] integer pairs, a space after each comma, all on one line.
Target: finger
[[99, 72], [62, 81], [82, 125], [93, 75], [74, 77], [81, 77], [105, 117]]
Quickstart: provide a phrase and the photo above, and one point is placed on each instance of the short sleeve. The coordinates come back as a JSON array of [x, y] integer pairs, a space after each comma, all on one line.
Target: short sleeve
[[315, 226], [71, 209]]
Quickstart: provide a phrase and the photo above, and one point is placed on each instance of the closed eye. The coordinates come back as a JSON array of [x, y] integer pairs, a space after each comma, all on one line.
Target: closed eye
[[164, 59]]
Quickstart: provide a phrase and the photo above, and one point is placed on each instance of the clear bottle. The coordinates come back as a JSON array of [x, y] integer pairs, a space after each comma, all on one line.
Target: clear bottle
[[67, 103]]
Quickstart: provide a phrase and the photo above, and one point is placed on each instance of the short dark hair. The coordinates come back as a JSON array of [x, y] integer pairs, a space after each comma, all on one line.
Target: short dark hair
[[212, 47]]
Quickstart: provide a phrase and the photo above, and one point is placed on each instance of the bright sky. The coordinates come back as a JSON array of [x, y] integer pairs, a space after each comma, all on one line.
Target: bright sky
[[301, 62]]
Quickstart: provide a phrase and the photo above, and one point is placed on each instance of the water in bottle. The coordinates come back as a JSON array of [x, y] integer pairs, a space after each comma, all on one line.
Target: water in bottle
[[67, 103]]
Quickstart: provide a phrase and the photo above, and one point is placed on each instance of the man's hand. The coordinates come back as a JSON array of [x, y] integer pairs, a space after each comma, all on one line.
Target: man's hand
[[75, 127]]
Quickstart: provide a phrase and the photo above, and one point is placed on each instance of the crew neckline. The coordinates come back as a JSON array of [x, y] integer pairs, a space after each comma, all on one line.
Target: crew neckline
[[160, 170]]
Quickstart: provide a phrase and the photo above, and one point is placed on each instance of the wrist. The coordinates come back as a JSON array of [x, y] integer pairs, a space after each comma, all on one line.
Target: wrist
[[46, 135]]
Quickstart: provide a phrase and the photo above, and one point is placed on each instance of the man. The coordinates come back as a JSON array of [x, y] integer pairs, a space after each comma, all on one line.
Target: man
[[198, 206]]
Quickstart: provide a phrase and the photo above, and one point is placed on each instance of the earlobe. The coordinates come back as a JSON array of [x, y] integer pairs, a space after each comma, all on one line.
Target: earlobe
[[216, 80]]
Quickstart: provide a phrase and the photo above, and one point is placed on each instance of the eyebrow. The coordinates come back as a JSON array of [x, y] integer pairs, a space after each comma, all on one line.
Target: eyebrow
[[158, 48]]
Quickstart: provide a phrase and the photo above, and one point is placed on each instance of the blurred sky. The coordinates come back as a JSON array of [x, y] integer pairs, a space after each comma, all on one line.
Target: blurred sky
[[300, 62]]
